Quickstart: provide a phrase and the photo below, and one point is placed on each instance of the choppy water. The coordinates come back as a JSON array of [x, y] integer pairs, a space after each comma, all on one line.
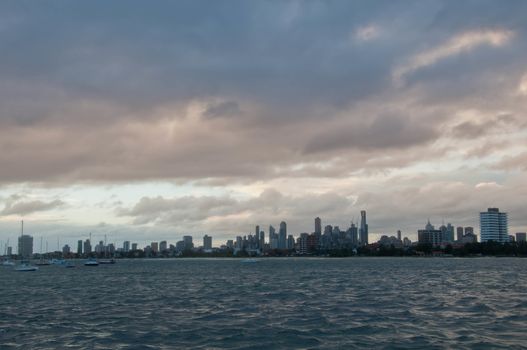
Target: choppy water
[[276, 303]]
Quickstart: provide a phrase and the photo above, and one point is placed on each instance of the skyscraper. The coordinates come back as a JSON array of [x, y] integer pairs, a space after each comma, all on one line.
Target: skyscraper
[[363, 232], [459, 233], [187, 240], [207, 242], [282, 236], [25, 246], [318, 226], [163, 245], [399, 235], [87, 247], [521, 237], [126, 246], [494, 226], [79, 247]]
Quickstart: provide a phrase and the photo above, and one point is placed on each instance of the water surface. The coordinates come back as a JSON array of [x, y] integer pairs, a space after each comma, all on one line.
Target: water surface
[[276, 303]]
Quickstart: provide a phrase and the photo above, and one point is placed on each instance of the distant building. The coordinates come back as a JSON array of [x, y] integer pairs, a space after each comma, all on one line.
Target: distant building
[[282, 236], [494, 226], [318, 226], [521, 237], [126, 246], [363, 232], [134, 246], [469, 230], [262, 240], [399, 235], [66, 250], [459, 233], [187, 240], [79, 247], [163, 246], [154, 246], [290, 242], [9, 251], [87, 247], [25, 246], [302, 243], [207, 242], [430, 235]]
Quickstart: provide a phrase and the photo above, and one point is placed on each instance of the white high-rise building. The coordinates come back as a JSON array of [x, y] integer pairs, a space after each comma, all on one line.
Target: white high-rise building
[[25, 246], [494, 226]]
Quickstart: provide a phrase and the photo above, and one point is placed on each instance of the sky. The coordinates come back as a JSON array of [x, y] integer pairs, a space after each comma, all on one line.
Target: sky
[[145, 122]]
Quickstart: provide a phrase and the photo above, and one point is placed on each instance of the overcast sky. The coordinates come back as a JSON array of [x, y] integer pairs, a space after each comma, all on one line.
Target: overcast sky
[[147, 121]]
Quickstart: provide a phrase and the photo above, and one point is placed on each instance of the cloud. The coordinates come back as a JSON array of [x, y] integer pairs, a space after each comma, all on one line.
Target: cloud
[[15, 206], [456, 45], [238, 97], [222, 109], [225, 214]]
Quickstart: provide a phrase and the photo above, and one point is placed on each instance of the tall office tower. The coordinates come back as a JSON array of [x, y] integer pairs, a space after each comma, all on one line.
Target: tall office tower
[[66, 250], [163, 246], [134, 246], [257, 237], [239, 242], [521, 237], [354, 234], [363, 232], [187, 240], [207, 242], [318, 226], [154, 246], [272, 233], [282, 236], [79, 247], [290, 242], [25, 246], [126, 246], [262, 240], [459, 233], [450, 232], [494, 226], [87, 247], [399, 235]]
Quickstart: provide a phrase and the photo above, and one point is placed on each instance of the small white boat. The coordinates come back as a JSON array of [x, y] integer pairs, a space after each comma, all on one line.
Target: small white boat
[[107, 261], [250, 261], [91, 262], [58, 261], [26, 268], [43, 262]]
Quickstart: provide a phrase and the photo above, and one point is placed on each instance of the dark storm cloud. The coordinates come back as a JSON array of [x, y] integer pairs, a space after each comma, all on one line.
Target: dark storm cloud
[[385, 132], [121, 91]]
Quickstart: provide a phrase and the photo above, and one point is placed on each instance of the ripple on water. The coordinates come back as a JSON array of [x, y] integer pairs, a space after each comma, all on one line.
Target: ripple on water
[[391, 303]]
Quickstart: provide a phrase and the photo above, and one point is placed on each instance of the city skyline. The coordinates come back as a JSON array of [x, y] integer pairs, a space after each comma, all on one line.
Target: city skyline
[[491, 226], [208, 117]]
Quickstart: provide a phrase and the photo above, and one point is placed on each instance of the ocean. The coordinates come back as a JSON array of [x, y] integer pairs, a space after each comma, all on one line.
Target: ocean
[[275, 303]]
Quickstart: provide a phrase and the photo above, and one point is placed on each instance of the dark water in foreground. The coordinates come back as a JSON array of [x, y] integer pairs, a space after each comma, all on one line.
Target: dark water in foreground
[[276, 303]]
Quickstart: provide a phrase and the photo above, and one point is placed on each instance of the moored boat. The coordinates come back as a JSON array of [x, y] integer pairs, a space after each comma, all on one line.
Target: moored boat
[[91, 262]]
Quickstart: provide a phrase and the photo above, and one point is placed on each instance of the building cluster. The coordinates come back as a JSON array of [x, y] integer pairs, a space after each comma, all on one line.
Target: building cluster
[[493, 224]]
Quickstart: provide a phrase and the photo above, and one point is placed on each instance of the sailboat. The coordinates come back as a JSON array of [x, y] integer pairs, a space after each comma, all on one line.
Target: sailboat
[[42, 261], [25, 266]]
